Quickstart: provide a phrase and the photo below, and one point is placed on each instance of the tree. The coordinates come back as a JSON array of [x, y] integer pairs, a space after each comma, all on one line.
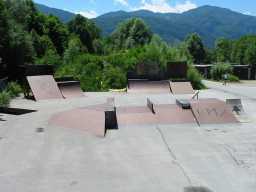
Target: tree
[[75, 48], [58, 33], [4, 32], [86, 30], [195, 47], [131, 33], [223, 49], [22, 11], [20, 49], [113, 78], [250, 58]]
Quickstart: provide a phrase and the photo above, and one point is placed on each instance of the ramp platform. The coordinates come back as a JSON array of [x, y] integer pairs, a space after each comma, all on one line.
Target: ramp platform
[[135, 116], [44, 87], [173, 114], [212, 111], [179, 88], [145, 86], [70, 89]]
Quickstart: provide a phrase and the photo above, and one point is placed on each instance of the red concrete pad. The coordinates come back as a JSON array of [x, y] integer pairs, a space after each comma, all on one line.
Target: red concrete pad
[[71, 90], [181, 88], [173, 114], [212, 111], [44, 87], [89, 120], [143, 86], [135, 116]]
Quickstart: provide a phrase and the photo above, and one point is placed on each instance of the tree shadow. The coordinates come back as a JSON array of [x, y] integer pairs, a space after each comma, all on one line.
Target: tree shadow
[[1, 119], [197, 189]]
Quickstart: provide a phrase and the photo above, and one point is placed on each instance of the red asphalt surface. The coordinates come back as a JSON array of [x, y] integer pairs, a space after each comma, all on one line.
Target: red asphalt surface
[[90, 118], [44, 87], [92, 121]]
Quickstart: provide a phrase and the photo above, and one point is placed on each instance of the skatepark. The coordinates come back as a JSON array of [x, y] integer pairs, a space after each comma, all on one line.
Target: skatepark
[[63, 145]]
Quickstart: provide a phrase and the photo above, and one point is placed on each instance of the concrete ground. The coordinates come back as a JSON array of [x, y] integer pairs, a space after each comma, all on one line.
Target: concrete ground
[[37, 157]]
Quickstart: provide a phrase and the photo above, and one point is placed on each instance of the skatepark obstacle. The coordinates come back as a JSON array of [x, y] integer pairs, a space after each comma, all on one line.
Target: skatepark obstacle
[[212, 111], [44, 87], [236, 106], [145, 86], [70, 89], [181, 88]]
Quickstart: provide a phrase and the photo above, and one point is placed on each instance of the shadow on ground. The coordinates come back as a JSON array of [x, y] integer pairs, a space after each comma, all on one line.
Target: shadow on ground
[[197, 189]]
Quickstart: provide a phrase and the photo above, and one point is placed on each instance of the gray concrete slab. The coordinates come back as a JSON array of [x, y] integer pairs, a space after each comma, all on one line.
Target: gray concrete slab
[[133, 158]]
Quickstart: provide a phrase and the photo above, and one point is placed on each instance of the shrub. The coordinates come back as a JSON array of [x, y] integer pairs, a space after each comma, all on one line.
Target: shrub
[[233, 78], [195, 78], [113, 78], [219, 70], [14, 89], [4, 99]]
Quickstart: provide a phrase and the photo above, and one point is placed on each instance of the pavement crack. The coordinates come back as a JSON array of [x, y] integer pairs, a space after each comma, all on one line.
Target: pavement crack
[[172, 154], [228, 150]]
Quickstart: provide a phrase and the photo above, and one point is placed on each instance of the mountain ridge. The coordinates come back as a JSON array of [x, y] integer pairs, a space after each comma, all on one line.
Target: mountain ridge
[[210, 22]]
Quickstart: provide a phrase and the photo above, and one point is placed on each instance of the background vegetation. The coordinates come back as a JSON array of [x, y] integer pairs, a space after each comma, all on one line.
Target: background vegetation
[[78, 49]]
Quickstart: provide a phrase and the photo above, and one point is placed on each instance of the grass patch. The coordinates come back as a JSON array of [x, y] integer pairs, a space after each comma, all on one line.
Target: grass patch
[[12, 90]]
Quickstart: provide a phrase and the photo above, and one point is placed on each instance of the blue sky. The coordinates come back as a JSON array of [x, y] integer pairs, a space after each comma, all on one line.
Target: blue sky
[[93, 8]]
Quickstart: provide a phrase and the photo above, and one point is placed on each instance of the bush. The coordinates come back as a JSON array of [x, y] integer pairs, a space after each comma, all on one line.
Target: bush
[[113, 78], [195, 78], [233, 78], [219, 70], [14, 89], [4, 99]]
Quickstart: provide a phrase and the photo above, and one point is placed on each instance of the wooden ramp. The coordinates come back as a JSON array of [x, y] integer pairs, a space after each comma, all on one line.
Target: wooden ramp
[[70, 89], [179, 88], [144, 86], [212, 111], [44, 87]]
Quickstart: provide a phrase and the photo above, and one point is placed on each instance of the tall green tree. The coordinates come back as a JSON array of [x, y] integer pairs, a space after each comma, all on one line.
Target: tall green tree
[[250, 58], [58, 33], [86, 30], [20, 50], [196, 48], [4, 33], [131, 33], [75, 48], [22, 11], [223, 49]]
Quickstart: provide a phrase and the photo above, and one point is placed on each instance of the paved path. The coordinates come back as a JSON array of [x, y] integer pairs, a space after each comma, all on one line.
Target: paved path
[[243, 91]]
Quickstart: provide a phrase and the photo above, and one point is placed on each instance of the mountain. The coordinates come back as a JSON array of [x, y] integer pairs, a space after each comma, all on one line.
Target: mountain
[[64, 16], [208, 21]]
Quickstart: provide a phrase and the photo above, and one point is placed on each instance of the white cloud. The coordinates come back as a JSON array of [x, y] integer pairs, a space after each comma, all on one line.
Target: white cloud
[[122, 2], [88, 14], [162, 6], [248, 13]]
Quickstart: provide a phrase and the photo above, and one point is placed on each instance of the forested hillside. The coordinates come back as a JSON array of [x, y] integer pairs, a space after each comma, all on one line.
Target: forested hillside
[[64, 16], [208, 21]]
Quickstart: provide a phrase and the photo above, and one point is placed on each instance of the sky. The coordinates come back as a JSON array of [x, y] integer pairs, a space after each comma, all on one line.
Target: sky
[[94, 8]]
